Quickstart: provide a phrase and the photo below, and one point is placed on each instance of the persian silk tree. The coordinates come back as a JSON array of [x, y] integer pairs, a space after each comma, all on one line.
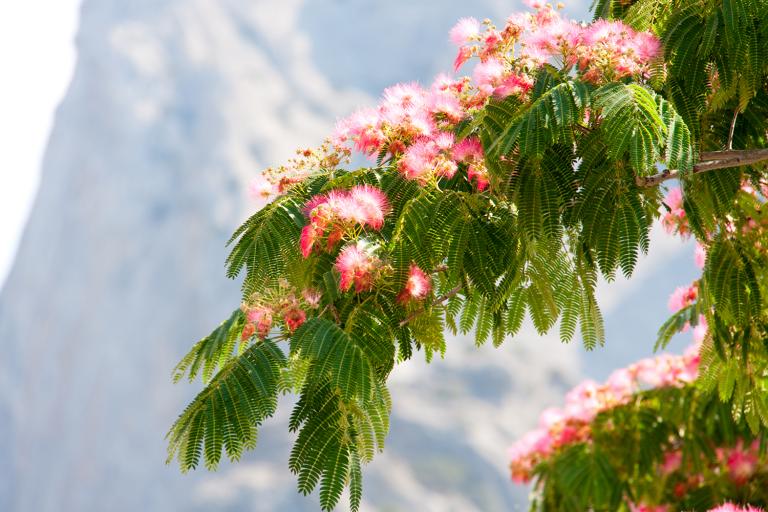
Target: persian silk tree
[[499, 195]]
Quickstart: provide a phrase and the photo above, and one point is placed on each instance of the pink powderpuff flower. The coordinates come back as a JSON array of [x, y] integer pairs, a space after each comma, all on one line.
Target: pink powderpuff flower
[[699, 255], [513, 85], [648, 508], [730, 507], [604, 31], [418, 285], [309, 235], [260, 188], [741, 465], [621, 383], [356, 266], [480, 175], [465, 52], [465, 31], [312, 297], [444, 141], [700, 331], [674, 198], [488, 73], [363, 128], [646, 45], [405, 96], [418, 159], [371, 203], [294, 318], [683, 296], [672, 462], [551, 417], [445, 102], [248, 331], [555, 37], [468, 150], [262, 318]]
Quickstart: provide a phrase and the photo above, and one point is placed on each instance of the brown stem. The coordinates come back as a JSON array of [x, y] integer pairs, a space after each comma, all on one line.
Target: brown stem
[[709, 161], [435, 302], [733, 127]]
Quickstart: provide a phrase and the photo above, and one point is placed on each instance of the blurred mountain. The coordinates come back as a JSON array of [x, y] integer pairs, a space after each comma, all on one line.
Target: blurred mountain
[[174, 106]]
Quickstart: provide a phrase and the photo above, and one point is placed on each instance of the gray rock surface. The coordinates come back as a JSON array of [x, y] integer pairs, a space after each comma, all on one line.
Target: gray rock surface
[[174, 106]]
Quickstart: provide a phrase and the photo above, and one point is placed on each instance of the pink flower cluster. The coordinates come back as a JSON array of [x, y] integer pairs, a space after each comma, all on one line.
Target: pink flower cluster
[[339, 213], [283, 303], [571, 424], [601, 51], [740, 462], [725, 507], [730, 507], [358, 266], [675, 220], [417, 286], [682, 297], [414, 126]]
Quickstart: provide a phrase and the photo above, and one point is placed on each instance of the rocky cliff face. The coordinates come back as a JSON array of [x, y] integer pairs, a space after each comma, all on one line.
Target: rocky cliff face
[[175, 104]]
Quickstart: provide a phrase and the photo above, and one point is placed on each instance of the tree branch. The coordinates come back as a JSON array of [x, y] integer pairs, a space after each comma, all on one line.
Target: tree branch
[[709, 161], [435, 302]]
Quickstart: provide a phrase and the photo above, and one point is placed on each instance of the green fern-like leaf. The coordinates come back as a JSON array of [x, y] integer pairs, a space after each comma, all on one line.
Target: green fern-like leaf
[[212, 352], [229, 410]]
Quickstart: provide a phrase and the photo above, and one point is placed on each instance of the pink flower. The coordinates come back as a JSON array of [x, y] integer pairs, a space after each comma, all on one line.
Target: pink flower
[[312, 297], [418, 159], [488, 73], [468, 150], [700, 255], [621, 382], [674, 198], [372, 204], [683, 296], [444, 141], [646, 45], [309, 235], [465, 30], [262, 318], [556, 37], [294, 317], [550, 417], [364, 205], [443, 102], [402, 95], [363, 128], [356, 266], [700, 331], [248, 331], [418, 285], [465, 52], [260, 188], [730, 507], [741, 465], [480, 175], [513, 85], [648, 508], [672, 461]]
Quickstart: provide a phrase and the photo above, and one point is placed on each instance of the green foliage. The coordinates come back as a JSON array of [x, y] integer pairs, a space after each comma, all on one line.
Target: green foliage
[[567, 203], [227, 413], [212, 352]]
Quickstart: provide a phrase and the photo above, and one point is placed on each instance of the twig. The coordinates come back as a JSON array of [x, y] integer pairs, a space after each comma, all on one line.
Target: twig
[[733, 127], [709, 161], [435, 302]]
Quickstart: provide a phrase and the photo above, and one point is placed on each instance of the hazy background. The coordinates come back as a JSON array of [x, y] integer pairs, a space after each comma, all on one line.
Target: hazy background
[[142, 133]]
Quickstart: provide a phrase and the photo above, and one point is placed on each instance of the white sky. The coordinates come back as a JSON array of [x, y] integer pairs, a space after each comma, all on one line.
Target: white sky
[[37, 57]]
